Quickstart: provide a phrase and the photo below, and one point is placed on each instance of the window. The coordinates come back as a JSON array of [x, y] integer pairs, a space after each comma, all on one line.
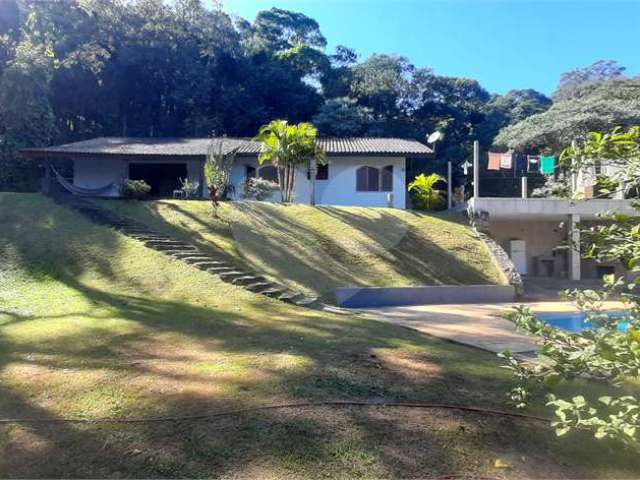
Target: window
[[372, 179], [386, 179], [367, 179], [321, 174], [269, 173], [250, 172]]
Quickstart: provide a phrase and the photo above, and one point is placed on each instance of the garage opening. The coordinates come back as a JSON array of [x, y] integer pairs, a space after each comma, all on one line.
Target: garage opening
[[163, 178]]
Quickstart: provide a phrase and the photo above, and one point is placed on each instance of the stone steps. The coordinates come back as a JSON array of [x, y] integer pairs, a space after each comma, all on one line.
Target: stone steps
[[192, 255]]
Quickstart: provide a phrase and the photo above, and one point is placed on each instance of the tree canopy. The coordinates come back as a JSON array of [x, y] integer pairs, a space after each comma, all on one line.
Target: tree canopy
[[608, 104], [76, 69]]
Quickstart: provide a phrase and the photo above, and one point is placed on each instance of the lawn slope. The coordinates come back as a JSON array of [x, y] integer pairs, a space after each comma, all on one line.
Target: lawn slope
[[319, 249], [94, 324]]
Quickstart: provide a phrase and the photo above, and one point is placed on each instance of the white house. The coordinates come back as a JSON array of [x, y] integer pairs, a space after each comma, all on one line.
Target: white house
[[367, 172]]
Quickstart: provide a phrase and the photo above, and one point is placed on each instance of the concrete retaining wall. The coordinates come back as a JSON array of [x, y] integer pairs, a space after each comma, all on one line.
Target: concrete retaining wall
[[428, 295]]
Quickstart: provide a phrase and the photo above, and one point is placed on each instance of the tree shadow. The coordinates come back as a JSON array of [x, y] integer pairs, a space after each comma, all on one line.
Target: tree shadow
[[181, 357]]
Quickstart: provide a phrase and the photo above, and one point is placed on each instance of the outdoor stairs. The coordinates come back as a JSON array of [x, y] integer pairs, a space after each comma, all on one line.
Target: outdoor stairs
[[191, 254]]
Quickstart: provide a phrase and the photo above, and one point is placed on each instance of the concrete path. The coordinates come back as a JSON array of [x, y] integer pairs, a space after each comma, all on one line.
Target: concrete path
[[476, 325]]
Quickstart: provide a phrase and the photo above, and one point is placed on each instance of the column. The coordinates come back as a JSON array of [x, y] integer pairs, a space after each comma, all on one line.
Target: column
[[476, 169], [574, 252], [449, 186]]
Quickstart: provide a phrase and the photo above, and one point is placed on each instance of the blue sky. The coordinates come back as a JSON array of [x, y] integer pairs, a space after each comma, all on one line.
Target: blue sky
[[504, 44]]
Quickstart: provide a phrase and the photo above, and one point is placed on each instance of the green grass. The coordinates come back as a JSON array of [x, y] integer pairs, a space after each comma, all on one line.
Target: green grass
[[319, 249], [94, 324]]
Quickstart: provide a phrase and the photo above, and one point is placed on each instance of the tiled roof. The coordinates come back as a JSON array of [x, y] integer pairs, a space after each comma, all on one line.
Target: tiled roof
[[243, 146]]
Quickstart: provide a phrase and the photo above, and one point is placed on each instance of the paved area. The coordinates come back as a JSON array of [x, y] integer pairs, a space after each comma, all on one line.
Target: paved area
[[476, 325]]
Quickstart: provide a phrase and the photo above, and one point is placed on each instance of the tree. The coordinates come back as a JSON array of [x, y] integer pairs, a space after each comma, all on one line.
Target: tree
[[380, 83], [606, 352], [610, 103], [574, 83], [275, 30], [343, 117], [287, 147], [426, 194]]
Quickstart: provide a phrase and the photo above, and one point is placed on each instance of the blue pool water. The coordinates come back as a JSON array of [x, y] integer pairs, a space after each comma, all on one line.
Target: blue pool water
[[576, 322]]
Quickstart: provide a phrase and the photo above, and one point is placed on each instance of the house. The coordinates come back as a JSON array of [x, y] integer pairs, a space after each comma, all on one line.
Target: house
[[537, 232], [369, 172]]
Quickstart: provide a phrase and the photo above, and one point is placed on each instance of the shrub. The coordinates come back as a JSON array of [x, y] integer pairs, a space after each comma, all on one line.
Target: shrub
[[137, 189], [259, 188], [424, 191]]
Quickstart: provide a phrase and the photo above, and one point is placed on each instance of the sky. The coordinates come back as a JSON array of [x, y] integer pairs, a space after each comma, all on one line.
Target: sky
[[504, 44]]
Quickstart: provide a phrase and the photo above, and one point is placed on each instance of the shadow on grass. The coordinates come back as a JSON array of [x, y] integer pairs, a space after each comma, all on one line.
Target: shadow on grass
[[158, 363]]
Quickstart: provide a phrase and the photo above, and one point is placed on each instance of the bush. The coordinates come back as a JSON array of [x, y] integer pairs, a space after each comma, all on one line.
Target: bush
[[259, 188], [137, 189], [424, 192]]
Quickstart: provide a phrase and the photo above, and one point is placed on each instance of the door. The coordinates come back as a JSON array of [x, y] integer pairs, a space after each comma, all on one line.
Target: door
[[518, 254]]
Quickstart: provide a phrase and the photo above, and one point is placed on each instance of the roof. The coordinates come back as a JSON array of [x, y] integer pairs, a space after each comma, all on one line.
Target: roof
[[199, 146]]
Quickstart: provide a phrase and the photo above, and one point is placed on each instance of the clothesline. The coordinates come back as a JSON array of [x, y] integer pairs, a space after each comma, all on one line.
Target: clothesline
[[545, 164]]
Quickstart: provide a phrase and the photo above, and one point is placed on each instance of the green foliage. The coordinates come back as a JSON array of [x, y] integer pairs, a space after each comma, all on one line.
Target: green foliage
[[577, 82], [608, 104], [286, 147], [603, 353], [217, 167], [136, 189], [553, 188], [259, 189], [343, 117], [425, 193], [76, 69]]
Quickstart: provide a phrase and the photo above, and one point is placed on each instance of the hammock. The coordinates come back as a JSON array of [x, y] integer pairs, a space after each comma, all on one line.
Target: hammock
[[70, 187]]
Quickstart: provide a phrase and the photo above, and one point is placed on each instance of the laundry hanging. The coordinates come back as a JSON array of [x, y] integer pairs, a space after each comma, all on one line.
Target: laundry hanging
[[494, 161], [547, 164], [506, 160], [533, 163], [465, 167], [520, 162]]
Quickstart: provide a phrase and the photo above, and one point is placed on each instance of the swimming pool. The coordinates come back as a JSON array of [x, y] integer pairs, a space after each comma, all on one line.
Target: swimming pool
[[576, 322]]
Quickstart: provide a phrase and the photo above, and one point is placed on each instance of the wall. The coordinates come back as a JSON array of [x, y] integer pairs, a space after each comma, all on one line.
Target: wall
[[373, 297], [541, 237], [340, 188], [98, 171]]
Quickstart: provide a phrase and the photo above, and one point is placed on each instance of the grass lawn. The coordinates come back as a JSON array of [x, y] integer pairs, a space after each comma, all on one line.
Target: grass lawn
[[319, 249], [93, 324]]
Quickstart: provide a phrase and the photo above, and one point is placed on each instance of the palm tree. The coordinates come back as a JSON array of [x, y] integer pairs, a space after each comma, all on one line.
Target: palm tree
[[287, 146], [427, 195]]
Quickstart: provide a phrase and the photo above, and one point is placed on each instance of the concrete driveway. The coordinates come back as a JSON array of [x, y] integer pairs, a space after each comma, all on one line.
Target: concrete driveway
[[476, 325]]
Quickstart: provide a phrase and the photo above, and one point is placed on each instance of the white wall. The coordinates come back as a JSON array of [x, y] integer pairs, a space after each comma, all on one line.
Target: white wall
[[340, 188], [97, 172]]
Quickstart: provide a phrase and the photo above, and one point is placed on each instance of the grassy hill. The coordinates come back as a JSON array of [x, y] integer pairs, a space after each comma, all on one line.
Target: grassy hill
[[93, 324], [319, 249]]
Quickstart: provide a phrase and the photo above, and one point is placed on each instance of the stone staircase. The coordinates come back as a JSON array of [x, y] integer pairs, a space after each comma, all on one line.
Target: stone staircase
[[191, 254]]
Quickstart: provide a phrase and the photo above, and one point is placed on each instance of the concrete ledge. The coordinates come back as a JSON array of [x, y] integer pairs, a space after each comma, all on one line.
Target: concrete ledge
[[369, 297]]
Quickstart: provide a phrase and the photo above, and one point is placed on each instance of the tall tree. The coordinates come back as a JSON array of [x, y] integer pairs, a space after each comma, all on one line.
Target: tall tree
[[576, 83], [609, 104]]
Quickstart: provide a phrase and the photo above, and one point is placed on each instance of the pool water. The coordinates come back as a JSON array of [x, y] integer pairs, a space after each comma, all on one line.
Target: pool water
[[576, 322]]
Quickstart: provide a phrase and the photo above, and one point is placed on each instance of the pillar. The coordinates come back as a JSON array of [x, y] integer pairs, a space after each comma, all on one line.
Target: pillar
[[574, 252], [524, 187], [449, 186], [476, 169]]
